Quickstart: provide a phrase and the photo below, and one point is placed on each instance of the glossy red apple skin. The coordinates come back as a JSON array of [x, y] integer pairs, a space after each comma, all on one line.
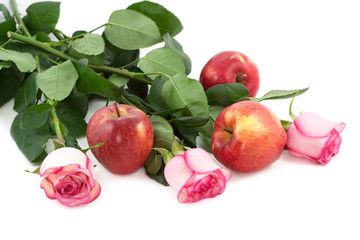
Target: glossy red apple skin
[[247, 137], [231, 67], [127, 139]]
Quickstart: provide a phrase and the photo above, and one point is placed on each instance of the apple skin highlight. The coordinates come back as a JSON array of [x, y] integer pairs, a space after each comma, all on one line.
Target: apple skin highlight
[[127, 135], [247, 137]]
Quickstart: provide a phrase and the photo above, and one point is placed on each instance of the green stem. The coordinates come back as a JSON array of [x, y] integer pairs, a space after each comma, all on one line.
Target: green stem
[[121, 72], [38, 69], [126, 101], [67, 39], [103, 25], [57, 34], [40, 45], [292, 115], [56, 122], [101, 68], [22, 26], [5, 43]]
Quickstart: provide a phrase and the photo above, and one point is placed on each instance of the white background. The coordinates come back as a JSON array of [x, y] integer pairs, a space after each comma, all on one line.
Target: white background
[[295, 44]]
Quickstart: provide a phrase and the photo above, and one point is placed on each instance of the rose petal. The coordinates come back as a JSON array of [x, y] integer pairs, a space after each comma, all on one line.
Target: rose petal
[[48, 188], [62, 157], [56, 170], [331, 148], [304, 145], [203, 186], [95, 191], [200, 161], [177, 173], [312, 125]]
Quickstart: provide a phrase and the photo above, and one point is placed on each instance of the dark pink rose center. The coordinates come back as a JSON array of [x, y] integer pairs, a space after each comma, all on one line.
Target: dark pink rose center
[[208, 187], [70, 186]]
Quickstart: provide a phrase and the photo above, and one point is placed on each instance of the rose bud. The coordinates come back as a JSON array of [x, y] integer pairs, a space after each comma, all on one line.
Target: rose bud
[[195, 176], [315, 138], [68, 176]]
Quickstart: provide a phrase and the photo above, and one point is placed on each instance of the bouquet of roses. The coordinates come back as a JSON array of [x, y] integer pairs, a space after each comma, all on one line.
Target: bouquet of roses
[[154, 116]]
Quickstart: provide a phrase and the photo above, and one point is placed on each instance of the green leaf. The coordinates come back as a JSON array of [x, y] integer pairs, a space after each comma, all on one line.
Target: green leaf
[[58, 81], [176, 148], [286, 124], [31, 142], [159, 176], [138, 88], [226, 94], [71, 118], [166, 21], [79, 101], [214, 112], [136, 101], [191, 122], [163, 132], [97, 59], [129, 29], [36, 116], [171, 43], [36, 171], [117, 57], [189, 135], [165, 154], [26, 95], [89, 44], [91, 83], [42, 16], [162, 60], [43, 37], [25, 48], [153, 163], [70, 141], [155, 94], [10, 79], [181, 91], [5, 11], [117, 80], [280, 94], [24, 61], [7, 25], [5, 64]]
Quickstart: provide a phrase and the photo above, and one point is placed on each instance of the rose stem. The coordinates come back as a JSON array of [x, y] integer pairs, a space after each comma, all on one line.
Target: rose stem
[[22, 26], [102, 68], [56, 122]]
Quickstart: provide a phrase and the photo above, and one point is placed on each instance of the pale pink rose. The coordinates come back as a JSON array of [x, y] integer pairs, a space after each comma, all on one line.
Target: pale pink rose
[[195, 176], [68, 176], [315, 138]]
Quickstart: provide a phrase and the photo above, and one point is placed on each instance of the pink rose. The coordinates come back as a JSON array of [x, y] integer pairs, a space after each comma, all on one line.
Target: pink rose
[[68, 176], [195, 176], [314, 137]]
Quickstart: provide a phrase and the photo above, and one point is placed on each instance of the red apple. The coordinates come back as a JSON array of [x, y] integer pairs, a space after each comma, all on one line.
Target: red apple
[[127, 135], [247, 137], [231, 67]]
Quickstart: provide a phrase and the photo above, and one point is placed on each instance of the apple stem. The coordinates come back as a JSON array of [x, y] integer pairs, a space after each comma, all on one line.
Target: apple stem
[[240, 77], [227, 130], [117, 110]]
